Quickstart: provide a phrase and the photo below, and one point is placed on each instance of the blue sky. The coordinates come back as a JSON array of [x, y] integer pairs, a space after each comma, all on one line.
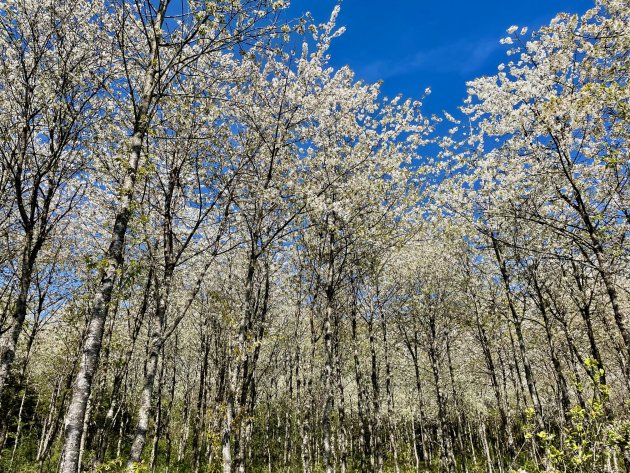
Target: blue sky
[[412, 45]]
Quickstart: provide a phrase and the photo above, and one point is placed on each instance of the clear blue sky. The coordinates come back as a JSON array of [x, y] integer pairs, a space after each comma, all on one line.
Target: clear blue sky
[[414, 44]]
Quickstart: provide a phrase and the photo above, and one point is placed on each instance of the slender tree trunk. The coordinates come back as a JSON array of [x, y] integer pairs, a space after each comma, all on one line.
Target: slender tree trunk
[[144, 413], [84, 437], [114, 260], [584, 308], [503, 411], [565, 402], [341, 407], [237, 387], [169, 408], [414, 441], [529, 376], [376, 459], [517, 321], [226, 448], [18, 430], [155, 348], [461, 420], [9, 339], [200, 411], [50, 426], [362, 397], [486, 448], [412, 346], [328, 395], [288, 445], [158, 420], [390, 395], [446, 452]]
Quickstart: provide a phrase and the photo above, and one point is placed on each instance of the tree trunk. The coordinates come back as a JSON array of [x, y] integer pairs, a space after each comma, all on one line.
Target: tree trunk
[[328, 399], [114, 409], [447, 460], [503, 410], [144, 413], [18, 430], [114, 260], [362, 397], [158, 420], [341, 407], [9, 339], [517, 321], [390, 395]]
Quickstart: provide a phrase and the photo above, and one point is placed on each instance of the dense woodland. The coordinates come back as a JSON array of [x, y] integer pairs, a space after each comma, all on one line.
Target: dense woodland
[[219, 253]]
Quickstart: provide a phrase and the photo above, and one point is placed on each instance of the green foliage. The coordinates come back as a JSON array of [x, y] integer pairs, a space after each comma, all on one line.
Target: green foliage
[[111, 466], [588, 440]]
